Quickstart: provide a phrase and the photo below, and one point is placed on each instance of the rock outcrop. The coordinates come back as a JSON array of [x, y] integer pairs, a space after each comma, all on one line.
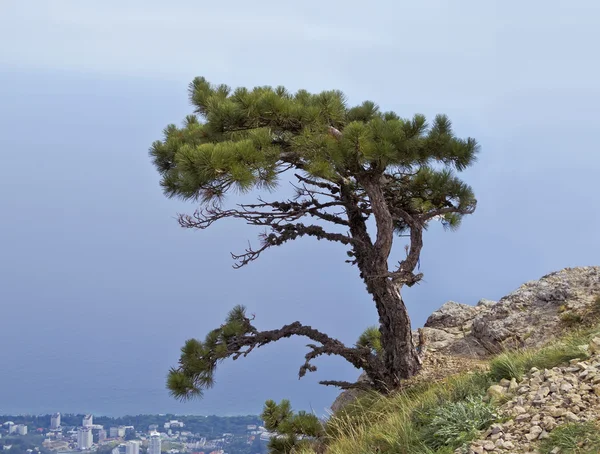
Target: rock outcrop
[[528, 317]]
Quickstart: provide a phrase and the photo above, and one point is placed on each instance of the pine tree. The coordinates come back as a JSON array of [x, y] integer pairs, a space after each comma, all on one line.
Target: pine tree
[[348, 166]]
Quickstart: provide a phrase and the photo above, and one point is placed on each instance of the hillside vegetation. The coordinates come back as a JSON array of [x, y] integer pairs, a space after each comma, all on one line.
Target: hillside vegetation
[[541, 397], [442, 417]]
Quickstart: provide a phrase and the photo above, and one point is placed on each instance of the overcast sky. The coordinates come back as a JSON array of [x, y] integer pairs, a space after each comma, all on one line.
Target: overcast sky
[[99, 287]]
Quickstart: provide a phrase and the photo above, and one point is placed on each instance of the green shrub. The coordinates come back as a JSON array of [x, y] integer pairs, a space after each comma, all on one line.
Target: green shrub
[[573, 438], [456, 423]]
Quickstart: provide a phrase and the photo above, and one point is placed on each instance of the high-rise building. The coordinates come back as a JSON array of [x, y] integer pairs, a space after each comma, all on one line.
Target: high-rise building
[[133, 447], [22, 429], [88, 421], [84, 438], [101, 435], [55, 421], [11, 427], [154, 444]]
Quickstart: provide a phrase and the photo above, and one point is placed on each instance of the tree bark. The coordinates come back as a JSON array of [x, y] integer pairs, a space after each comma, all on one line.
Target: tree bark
[[400, 357], [399, 354]]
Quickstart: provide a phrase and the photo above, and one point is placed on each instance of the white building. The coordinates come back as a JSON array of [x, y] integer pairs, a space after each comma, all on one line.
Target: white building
[[101, 435], [133, 447], [11, 427], [173, 424], [55, 421], [154, 444], [21, 429], [117, 432], [88, 421], [84, 438]]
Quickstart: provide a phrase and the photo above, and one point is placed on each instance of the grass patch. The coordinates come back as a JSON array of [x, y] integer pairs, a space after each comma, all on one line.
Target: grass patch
[[426, 419], [571, 319], [573, 438], [509, 365], [515, 364]]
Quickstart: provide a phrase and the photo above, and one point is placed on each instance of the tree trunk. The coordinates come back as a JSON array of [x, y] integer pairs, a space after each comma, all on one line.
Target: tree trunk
[[399, 355], [400, 360]]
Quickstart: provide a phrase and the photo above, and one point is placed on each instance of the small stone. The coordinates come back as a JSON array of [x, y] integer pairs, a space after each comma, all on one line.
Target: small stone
[[548, 423], [571, 416], [535, 429], [594, 345], [556, 412], [497, 436], [566, 387], [496, 428], [508, 445], [495, 391], [523, 417], [489, 446], [543, 391], [475, 449], [596, 389], [534, 433], [512, 386]]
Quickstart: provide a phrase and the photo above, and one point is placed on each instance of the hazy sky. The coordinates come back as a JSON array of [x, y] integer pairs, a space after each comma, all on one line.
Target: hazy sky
[[99, 287]]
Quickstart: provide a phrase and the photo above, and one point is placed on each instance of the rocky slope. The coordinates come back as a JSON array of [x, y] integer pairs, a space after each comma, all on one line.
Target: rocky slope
[[543, 400]]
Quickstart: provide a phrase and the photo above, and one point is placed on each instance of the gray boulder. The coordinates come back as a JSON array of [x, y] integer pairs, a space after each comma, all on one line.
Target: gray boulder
[[451, 315]]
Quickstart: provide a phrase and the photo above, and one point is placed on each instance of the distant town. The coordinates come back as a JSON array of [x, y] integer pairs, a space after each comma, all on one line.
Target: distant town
[[159, 434]]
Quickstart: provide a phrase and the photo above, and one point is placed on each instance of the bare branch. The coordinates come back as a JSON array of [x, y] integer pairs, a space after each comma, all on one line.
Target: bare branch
[[366, 386], [359, 357], [320, 184], [282, 233]]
